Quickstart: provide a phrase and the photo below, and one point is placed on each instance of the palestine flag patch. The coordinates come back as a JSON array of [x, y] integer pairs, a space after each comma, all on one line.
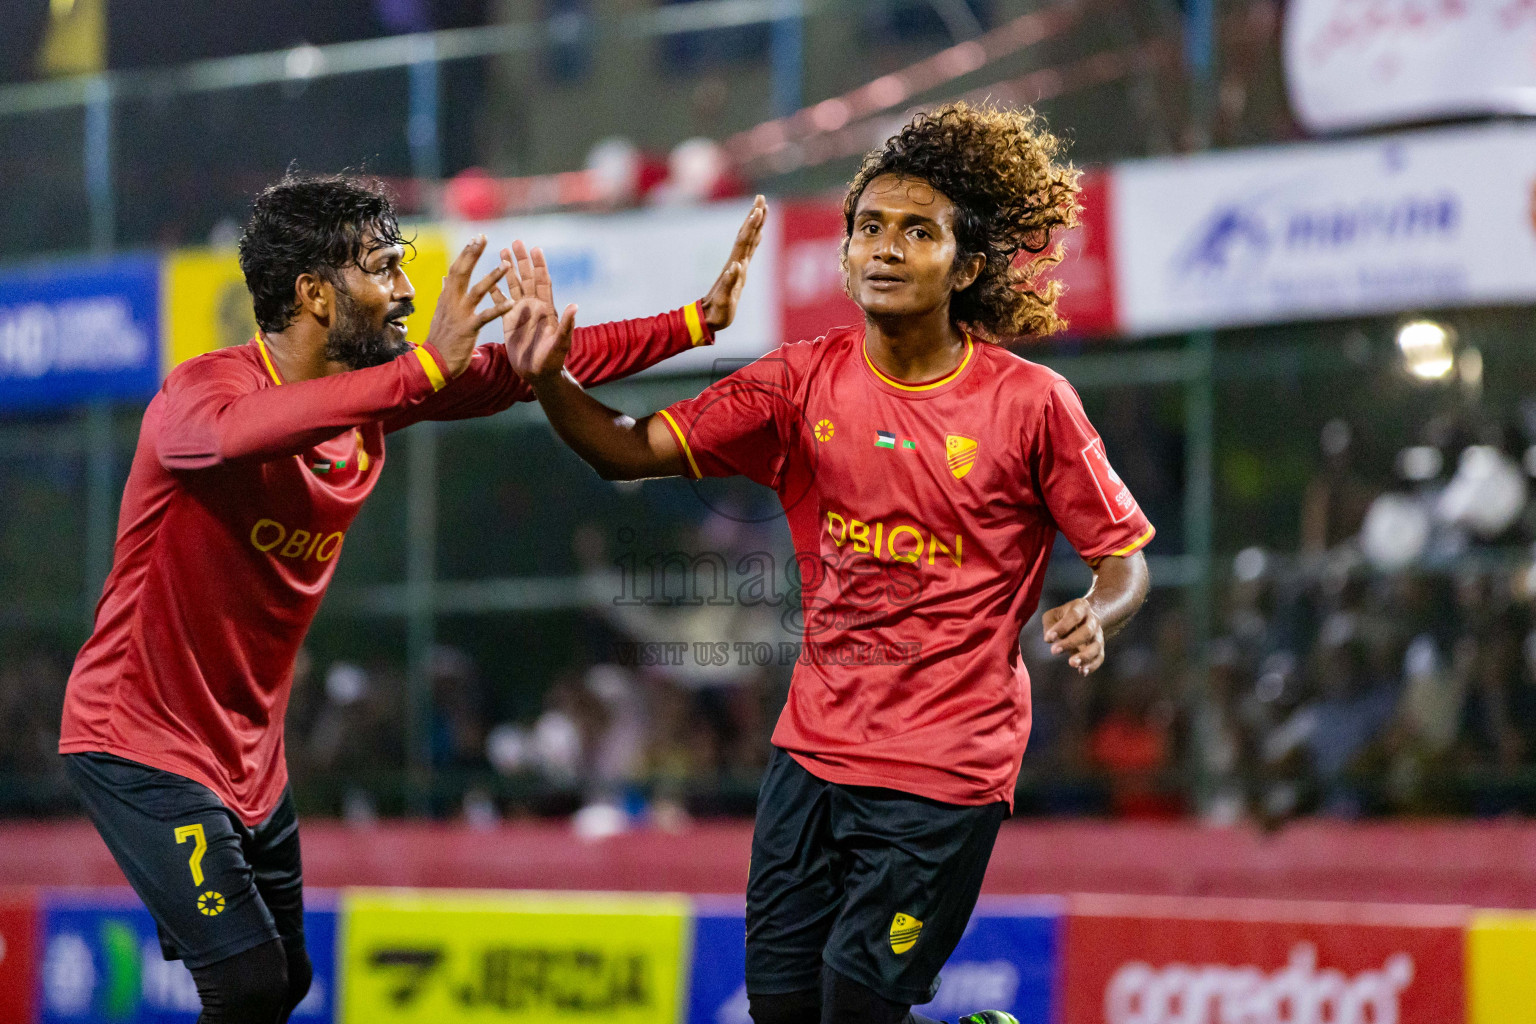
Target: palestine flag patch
[[886, 439]]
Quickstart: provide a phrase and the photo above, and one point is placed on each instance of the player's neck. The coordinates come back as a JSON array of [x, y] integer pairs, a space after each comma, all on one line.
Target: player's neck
[[915, 348], [299, 353]]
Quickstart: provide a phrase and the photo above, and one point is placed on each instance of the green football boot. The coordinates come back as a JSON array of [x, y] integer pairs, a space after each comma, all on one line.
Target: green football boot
[[989, 1017]]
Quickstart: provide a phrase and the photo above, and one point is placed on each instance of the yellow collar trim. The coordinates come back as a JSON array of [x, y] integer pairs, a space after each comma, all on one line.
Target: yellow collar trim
[[970, 347], [267, 358]]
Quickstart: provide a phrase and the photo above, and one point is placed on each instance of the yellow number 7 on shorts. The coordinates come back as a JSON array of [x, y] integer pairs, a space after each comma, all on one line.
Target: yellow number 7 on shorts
[[199, 844]]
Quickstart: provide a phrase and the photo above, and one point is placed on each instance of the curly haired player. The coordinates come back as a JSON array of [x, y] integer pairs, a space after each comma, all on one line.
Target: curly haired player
[[925, 473]]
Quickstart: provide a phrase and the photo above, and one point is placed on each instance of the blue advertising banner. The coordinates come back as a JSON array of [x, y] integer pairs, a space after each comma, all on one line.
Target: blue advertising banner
[[81, 332], [101, 963], [1006, 960]]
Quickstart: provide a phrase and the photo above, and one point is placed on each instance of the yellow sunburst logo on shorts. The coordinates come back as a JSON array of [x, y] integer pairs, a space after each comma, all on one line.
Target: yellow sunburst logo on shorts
[[824, 429], [211, 903], [904, 932]]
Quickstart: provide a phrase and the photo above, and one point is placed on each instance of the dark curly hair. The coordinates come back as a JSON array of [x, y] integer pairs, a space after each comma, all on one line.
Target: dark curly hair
[[311, 224], [1000, 169]]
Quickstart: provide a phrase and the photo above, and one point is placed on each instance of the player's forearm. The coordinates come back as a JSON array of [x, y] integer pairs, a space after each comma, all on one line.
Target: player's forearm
[[1120, 585], [605, 352], [206, 427], [609, 441]]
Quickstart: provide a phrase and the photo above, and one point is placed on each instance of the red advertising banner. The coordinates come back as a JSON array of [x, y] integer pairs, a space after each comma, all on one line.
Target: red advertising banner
[[1162, 960], [810, 283], [1088, 269], [18, 939]]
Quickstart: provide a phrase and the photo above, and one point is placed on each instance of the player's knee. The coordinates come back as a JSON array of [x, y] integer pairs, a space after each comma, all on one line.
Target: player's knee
[[247, 988], [786, 1008], [300, 974], [846, 1001]]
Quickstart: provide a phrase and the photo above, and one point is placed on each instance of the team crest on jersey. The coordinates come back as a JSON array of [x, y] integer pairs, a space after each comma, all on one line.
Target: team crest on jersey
[[961, 453], [824, 430], [904, 932]]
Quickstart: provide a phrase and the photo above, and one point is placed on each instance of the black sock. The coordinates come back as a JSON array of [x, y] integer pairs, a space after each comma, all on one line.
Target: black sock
[[845, 1001]]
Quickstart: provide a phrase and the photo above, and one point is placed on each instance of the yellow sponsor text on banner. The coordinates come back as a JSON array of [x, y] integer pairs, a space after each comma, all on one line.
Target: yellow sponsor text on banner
[[205, 304], [412, 957], [1501, 980]]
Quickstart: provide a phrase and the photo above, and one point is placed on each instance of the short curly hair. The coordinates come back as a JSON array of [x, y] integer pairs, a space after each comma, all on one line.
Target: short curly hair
[[1001, 169], [311, 224]]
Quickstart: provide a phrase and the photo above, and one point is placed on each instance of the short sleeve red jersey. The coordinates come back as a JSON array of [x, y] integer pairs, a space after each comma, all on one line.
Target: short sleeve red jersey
[[237, 505], [922, 517]]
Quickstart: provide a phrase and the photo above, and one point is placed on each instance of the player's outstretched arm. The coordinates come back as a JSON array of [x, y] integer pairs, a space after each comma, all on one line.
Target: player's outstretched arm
[[1079, 628], [617, 446]]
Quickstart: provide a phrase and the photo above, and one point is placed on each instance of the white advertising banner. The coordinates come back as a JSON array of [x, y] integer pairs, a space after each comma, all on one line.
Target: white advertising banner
[[639, 263], [1302, 232], [1362, 63]]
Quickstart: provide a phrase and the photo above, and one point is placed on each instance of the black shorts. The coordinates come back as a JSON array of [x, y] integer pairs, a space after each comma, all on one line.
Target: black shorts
[[214, 886], [875, 883]]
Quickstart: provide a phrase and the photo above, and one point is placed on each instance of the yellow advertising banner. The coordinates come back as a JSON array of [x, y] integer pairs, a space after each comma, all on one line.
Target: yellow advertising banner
[[1501, 968], [423, 957], [205, 306]]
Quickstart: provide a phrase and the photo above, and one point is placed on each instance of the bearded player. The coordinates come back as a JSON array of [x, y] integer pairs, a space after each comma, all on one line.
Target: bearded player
[[925, 473], [251, 464]]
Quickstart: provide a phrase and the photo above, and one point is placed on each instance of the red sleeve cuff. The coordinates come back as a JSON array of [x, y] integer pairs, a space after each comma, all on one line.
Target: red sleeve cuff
[[433, 367], [699, 331]]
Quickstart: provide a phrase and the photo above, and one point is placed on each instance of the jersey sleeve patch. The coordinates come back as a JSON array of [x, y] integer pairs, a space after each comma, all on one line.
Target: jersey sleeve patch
[[1118, 500]]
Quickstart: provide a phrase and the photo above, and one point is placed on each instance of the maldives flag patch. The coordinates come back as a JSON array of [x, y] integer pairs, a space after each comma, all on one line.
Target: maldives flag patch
[[1118, 501]]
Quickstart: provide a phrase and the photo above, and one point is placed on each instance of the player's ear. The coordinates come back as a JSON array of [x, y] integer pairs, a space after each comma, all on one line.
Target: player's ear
[[315, 296], [968, 269]]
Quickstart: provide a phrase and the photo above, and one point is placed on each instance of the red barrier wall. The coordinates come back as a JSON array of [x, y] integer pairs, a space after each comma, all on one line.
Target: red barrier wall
[[1475, 863]]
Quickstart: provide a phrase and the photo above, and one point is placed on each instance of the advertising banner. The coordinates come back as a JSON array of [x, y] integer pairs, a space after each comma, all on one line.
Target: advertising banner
[[206, 306], [472, 957], [101, 962], [1501, 952], [1365, 63], [1088, 269], [1007, 960], [80, 332], [1167, 960], [639, 263], [1300, 232], [18, 938]]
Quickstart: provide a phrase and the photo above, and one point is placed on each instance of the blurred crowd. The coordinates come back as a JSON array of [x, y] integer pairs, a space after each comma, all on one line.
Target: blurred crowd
[[1386, 664]]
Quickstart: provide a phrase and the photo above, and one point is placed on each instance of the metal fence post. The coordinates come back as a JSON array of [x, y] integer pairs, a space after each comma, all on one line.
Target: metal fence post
[[98, 163], [420, 630]]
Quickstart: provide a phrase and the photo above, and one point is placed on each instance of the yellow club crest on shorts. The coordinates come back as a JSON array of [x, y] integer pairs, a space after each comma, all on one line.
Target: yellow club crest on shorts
[[211, 903], [961, 454], [904, 932]]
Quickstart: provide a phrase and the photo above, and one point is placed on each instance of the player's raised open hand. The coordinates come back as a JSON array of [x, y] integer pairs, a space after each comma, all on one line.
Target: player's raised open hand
[[1074, 628], [537, 342], [458, 318], [719, 306]]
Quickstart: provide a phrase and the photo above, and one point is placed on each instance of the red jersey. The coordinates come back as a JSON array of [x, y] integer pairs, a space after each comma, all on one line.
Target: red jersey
[[238, 501], [922, 517]]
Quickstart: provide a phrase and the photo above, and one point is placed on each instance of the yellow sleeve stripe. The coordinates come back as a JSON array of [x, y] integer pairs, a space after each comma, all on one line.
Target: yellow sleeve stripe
[[1139, 542], [682, 441], [434, 374], [695, 323]]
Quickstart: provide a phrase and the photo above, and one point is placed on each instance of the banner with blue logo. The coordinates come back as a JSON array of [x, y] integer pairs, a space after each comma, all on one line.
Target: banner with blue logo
[[100, 963], [1300, 232], [85, 331], [1007, 960]]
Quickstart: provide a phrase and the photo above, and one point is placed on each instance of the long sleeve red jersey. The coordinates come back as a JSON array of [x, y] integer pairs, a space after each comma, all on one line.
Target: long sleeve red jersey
[[237, 505]]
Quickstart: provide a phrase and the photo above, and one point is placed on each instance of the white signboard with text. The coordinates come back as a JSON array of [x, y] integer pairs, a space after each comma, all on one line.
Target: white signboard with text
[[1303, 232], [639, 263], [1353, 64]]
